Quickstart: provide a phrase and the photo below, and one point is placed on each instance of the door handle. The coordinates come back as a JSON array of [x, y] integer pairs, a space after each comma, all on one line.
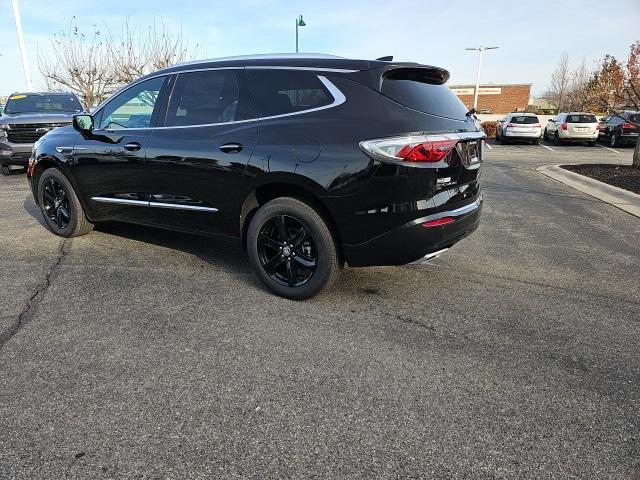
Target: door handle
[[231, 147], [132, 146]]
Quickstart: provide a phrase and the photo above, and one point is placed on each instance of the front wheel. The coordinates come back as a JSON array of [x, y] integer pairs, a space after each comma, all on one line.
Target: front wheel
[[60, 206], [292, 249]]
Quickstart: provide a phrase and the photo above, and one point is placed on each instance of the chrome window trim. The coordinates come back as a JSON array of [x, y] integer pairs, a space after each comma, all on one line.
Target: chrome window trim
[[338, 99], [205, 69]]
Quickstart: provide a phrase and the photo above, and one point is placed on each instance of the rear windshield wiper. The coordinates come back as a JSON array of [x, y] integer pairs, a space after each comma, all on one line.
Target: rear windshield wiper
[[470, 112]]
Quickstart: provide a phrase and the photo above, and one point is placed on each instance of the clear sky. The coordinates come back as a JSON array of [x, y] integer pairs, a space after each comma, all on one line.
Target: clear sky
[[531, 35]]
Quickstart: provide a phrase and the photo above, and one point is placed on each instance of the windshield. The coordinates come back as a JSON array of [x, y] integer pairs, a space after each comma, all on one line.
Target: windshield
[[41, 103]]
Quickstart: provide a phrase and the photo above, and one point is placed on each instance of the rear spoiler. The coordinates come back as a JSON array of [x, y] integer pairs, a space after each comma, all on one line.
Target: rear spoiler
[[435, 75]]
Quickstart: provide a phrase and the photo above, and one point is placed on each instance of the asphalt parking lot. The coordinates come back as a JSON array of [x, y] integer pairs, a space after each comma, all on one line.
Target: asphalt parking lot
[[135, 352]]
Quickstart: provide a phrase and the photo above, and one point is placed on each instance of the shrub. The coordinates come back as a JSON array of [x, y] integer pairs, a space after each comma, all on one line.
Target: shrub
[[489, 128]]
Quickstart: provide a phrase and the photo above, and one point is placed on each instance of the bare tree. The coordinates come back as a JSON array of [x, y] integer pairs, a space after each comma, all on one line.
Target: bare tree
[[94, 67], [578, 94], [135, 54], [558, 90], [615, 88], [80, 64]]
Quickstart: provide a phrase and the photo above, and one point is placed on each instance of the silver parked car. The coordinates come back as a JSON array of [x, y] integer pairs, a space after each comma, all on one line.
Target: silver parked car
[[572, 127], [519, 126]]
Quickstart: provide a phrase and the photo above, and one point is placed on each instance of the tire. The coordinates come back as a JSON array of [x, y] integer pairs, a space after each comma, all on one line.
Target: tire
[[5, 170], [613, 140], [273, 265], [501, 140], [60, 206], [556, 139], [545, 135], [592, 143], [535, 142]]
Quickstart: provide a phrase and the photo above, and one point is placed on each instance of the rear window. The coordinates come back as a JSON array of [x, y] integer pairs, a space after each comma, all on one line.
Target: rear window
[[581, 119], [278, 92], [635, 118], [416, 89], [525, 120]]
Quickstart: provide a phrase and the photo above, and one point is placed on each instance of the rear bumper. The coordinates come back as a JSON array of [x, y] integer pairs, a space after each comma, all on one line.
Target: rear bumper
[[629, 138], [520, 136], [412, 241]]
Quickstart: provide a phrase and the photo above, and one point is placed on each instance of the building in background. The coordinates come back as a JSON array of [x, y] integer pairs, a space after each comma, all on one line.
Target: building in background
[[3, 102], [497, 99]]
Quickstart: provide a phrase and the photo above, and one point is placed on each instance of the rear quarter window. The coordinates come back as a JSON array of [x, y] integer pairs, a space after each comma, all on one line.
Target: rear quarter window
[[415, 89], [281, 92]]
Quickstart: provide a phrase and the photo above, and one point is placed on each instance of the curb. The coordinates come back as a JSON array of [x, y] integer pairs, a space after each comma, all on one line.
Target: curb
[[618, 197]]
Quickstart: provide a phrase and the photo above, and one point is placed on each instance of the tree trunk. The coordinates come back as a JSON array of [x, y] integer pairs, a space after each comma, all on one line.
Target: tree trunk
[[636, 155]]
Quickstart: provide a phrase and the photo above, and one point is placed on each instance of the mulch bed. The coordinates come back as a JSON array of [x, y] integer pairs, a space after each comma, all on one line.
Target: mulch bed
[[620, 176]]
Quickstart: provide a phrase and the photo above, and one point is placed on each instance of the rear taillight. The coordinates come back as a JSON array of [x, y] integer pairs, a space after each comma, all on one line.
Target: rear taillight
[[433, 151], [418, 149], [510, 125], [628, 125], [536, 125], [565, 126]]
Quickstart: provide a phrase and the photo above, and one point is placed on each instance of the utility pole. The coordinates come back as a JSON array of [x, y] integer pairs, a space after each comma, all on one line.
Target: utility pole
[[480, 50], [23, 50]]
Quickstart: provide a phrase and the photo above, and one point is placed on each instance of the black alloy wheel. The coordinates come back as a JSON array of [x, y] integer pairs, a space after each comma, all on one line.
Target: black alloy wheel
[[55, 203], [292, 249], [60, 206], [287, 251]]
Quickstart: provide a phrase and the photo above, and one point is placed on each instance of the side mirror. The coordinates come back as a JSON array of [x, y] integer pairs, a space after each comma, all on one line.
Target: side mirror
[[553, 120], [83, 123]]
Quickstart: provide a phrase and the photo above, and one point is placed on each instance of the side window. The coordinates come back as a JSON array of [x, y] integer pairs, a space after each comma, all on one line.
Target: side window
[[132, 108], [279, 92], [212, 96]]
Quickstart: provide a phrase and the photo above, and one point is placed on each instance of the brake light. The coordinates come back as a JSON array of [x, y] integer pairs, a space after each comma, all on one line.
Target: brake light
[[536, 125], [438, 222], [565, 126], [433, 151], [510, 125], [628, 125], [422, 150]]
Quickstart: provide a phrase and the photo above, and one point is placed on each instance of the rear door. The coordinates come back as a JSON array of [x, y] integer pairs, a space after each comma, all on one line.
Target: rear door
[[197, 160], [109, 164]]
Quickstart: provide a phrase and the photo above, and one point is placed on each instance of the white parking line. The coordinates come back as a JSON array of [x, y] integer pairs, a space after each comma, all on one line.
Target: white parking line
[[489, 146], [548, 148], [602, 146]]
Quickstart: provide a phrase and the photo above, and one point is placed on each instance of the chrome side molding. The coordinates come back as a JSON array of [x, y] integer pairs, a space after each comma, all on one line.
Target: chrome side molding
[[146, 203]]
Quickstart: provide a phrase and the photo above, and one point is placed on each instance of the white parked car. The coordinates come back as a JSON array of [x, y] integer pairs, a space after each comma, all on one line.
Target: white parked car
[[518, 126], [572, 127]]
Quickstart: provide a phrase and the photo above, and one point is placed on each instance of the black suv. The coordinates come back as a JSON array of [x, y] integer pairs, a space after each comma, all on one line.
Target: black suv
[[310, 161], [27, 117], [619, 129]]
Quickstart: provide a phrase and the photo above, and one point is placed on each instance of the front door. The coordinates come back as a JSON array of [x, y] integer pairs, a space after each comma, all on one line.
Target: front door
[[110, 162], [197, 161]]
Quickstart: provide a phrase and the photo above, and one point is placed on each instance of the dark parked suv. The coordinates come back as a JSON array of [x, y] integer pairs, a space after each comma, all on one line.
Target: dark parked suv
[[27, 117], [619, 130], [310, 161]]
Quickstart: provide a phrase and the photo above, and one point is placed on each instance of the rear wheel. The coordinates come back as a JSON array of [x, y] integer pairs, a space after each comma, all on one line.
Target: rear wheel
[[60, 206], [613, 141], [5, 170], [556, 139], [291, 249], [592, 143], [546, 135], [535, 142]]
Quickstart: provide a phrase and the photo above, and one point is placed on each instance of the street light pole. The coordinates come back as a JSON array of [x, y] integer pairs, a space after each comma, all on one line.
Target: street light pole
[[23, 50], [480, 50], [299, 23]]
